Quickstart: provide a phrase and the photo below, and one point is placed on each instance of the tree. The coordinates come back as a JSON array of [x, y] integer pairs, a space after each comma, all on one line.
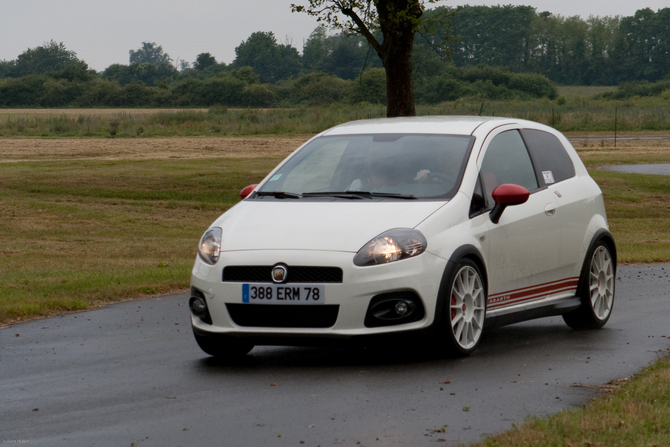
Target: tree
[[204, 60], [52, 56], [150, 53], [270, 60], [398, 21]]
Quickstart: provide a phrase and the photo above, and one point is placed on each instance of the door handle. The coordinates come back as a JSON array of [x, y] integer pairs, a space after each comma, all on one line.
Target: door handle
[[550, 210]]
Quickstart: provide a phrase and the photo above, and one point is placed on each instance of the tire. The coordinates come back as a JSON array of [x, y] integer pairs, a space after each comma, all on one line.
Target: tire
[[596, 289], [465, 309], [224, 348]]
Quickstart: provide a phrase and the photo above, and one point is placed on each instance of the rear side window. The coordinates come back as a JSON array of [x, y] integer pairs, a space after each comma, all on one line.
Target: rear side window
[[552, 162]]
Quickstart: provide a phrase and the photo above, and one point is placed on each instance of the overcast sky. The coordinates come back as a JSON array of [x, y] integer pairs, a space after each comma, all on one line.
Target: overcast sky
[[102, 32]]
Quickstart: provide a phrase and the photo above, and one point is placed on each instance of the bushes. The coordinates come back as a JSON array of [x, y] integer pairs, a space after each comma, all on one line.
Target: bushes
[[26, 91], [74, 87], [642, 88], [371, 87], [314, 89], [495, 83]]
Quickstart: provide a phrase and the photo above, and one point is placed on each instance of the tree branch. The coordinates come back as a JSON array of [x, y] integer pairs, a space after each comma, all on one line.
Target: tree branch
[[362, 29]]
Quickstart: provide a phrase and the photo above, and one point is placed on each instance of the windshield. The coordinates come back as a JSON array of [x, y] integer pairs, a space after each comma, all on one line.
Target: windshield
[[372, 166]]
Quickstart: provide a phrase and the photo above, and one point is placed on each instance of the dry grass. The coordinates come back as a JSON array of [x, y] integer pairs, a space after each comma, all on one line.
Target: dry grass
[[19, 113], [40, 149]]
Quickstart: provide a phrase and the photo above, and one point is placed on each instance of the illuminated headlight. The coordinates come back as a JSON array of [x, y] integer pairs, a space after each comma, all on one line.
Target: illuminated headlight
[[390, 246], [210, 245]]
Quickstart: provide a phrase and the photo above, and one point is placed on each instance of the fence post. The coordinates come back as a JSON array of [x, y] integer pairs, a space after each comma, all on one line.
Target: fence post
[[615, 120]]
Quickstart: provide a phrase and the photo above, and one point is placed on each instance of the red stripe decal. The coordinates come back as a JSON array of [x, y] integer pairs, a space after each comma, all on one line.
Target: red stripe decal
[[529, 293]]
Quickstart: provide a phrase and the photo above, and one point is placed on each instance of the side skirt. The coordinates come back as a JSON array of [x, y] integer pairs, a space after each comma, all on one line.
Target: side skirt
[[504, 317]]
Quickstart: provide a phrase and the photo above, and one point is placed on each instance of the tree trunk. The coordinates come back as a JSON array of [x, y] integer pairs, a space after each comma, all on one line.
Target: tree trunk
[[397, 22], [397, 62]]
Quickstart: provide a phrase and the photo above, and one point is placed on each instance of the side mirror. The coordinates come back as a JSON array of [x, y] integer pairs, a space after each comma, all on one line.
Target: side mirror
[[507, 195], [247, 190]]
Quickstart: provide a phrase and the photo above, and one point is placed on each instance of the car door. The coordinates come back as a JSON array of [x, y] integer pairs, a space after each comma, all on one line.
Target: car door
[[524, 247]]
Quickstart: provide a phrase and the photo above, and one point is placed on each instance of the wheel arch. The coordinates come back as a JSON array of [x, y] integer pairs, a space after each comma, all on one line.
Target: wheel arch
[[464, 251], [606, 237]]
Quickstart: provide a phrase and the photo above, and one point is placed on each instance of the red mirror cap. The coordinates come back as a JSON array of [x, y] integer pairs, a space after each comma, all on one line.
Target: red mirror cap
[[509, 194], [247, 190]]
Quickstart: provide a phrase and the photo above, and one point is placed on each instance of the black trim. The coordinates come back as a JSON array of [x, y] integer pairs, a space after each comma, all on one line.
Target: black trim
[[532, 312], [381, 310], [283, 316], [296, 274]]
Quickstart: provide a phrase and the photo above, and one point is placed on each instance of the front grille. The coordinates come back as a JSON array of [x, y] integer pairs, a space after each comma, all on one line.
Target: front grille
[[284, 316], [296, 274]]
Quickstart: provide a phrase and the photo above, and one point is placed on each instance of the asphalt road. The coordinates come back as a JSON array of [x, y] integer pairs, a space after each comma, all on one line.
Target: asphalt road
[[657, 169], [131, 374]]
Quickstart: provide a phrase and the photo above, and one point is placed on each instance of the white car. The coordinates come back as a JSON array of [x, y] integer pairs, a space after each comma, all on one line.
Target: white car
[[436, 226]]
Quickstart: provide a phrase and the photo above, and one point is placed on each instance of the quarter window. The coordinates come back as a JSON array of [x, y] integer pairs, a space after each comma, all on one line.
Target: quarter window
[[549, 155]]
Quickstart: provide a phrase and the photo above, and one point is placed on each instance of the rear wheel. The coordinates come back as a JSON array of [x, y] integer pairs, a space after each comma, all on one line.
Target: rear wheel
[[223, 347], [466, 310], [596, 290]]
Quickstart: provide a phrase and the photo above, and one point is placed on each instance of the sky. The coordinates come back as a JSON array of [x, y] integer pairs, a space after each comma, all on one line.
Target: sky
[[103, 32]]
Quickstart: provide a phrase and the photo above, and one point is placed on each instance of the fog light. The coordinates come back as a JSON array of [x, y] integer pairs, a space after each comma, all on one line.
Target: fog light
[[401, 308], [198, 306]]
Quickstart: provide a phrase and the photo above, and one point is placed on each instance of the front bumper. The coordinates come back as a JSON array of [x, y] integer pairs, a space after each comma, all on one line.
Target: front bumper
[[420, 276]]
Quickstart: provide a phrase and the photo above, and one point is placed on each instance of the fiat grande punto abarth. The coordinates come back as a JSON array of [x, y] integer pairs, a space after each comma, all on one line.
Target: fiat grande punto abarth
[[437, 226]]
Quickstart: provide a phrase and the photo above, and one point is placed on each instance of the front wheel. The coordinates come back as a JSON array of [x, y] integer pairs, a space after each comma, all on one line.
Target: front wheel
[[466, 311], [596, 290]]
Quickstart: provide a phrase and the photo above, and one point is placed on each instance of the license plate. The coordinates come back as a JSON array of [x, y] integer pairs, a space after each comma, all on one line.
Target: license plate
[[282, 294]]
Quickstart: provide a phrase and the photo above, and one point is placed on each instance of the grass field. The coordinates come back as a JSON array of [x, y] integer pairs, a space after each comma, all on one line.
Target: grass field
[[581, 91], [568, 114], [87, 221]]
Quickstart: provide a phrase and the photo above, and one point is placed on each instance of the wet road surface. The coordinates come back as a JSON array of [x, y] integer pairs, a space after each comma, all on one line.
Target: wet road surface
[[131, 374], [658, 169]]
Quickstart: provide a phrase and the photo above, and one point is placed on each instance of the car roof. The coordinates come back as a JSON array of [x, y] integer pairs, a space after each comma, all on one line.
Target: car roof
[[451, 125]]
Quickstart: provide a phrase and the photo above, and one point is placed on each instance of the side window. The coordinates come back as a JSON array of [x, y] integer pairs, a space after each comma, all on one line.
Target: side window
[[507, 161], [550, 157]]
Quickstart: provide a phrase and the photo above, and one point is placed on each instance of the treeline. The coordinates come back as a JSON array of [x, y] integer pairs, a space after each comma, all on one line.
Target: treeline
[[264, 74], [496, 53], [74, 87], [568, 50]]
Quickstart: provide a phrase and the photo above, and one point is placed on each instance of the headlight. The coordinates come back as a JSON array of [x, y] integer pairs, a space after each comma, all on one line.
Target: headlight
[[390, 246], [210, 245]]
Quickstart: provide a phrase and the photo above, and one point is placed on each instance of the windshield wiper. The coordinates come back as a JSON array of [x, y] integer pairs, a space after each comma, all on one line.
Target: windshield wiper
[[358, 194], [278, 194], [338, 194]]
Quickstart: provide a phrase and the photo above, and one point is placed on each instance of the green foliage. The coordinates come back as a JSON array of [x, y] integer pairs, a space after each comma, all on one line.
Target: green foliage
[[269, 60], [641, 88], [204, 60], [314, 89], [51, 56], [149, 53], [22, 92], [342, 55], [144, 72], [371, 87], [568, 50], [495, 83]]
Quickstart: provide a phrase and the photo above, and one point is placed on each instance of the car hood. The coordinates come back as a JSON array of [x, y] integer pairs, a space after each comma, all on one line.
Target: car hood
[[302, 225]]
